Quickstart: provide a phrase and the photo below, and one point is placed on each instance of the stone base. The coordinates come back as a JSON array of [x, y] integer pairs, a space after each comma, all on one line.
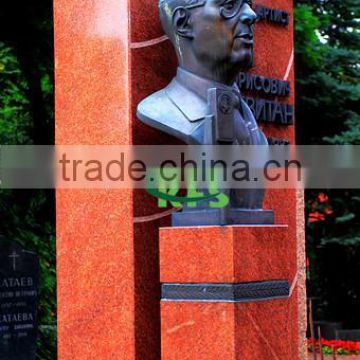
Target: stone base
[[228, 292], [213, 217]]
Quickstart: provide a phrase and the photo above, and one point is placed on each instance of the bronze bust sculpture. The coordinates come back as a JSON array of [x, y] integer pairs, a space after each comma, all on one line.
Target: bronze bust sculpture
[[213, 40]]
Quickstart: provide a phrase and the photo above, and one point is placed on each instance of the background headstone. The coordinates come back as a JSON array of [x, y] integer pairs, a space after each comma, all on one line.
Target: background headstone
[[19, 284]]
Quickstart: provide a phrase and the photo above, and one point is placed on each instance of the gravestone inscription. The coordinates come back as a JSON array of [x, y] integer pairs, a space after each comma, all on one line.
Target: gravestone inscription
[[276, 16], [19, 284]]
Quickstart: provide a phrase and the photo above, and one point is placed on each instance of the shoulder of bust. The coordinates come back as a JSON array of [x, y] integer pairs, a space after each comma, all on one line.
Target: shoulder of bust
[[174, 110]]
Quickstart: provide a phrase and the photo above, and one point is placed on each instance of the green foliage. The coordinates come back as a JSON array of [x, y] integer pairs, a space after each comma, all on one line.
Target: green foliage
[[349, 136], [327, 37], [47, 339], [308, 49], [15, 118], [333, 246], [26, 117]]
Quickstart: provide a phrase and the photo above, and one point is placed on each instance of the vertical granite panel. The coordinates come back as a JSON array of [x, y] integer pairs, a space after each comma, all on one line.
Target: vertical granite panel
[[198, 331], [227, 254], [101, 259], [301, 259], [95, 255], [235, 254], [153, 64], [264, 331]]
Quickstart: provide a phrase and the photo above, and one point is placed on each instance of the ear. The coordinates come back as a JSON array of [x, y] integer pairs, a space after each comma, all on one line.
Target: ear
[[182, 22]]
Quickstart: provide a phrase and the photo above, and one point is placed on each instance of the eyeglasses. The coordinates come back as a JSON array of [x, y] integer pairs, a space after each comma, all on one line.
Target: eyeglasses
[[228, 8]]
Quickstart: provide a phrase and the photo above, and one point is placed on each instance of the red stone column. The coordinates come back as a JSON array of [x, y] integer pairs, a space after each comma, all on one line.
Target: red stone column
[[250, 329], [259, 324], [95, 234], [109, 54]]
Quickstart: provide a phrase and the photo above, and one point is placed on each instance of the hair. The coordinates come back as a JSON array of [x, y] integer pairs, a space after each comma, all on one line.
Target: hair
[[166, 10]]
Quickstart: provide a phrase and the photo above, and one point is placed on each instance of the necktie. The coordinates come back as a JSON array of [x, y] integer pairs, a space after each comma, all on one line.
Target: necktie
[[246, 129]]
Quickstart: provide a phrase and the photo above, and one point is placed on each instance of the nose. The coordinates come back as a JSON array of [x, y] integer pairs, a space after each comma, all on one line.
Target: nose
[[248, 15]]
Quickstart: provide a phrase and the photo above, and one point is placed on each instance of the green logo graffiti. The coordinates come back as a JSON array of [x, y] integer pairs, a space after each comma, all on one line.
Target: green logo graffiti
[[168, 187]]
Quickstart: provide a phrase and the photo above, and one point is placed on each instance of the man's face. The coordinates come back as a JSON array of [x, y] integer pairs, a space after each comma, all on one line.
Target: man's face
[[223, 33]]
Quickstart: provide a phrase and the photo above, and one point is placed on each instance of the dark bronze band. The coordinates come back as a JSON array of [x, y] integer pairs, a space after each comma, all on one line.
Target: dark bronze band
[[241, 292]]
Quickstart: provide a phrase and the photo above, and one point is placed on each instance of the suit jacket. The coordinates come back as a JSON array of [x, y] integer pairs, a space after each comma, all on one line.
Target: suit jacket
[[181, 109]]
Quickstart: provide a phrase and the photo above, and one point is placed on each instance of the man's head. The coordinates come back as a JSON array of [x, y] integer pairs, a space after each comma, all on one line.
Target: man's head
[[212, 38]]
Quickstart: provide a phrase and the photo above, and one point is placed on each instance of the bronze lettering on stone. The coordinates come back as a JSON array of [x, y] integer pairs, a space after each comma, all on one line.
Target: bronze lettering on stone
[[268, 111], [276, 141], [263, 85], [271, 15]]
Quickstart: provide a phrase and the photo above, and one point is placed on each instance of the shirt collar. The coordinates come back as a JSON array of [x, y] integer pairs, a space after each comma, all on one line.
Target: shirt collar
[[200, 85]]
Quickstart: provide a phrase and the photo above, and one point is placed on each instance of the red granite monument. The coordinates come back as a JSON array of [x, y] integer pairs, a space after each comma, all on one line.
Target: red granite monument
[[115, 247]]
